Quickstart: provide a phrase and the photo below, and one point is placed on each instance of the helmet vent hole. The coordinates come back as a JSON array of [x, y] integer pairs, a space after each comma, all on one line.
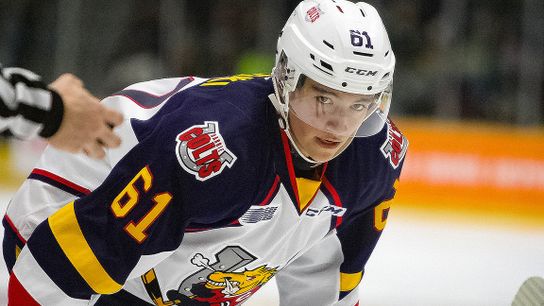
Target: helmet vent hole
[[328, 44], [326, 65], [362, 12], [369, 88], [344, 84], [324, 71], [386, 53], [385, 75], [363, 54], [312, 56], [340, 9]]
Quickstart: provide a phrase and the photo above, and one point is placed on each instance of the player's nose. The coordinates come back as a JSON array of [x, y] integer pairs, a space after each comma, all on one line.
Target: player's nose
[[337, 124]]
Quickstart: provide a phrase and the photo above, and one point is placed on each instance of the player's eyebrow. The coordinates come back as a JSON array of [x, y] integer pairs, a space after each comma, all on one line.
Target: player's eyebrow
[[323, 90]]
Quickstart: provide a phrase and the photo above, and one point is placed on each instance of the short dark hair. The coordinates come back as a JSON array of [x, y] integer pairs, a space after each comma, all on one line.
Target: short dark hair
[[301, 81]]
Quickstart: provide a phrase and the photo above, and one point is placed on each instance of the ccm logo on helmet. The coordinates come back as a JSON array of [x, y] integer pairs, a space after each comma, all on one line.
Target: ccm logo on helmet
[[201, 151], [362, 72]]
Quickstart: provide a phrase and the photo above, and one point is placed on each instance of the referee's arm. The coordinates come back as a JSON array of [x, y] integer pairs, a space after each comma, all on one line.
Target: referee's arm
[[64, 112], [27, 107]]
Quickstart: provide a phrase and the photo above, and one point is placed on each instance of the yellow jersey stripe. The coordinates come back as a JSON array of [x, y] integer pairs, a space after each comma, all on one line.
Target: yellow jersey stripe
[[68, 234], [306, 191], [379, 219], [17, 251], [348, 281]]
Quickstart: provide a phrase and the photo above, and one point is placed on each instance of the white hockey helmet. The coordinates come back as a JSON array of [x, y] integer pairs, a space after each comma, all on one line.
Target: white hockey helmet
[[341, 45]]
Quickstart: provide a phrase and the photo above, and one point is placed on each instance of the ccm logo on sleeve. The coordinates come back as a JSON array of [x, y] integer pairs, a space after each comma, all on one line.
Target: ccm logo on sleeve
[[201, 151]]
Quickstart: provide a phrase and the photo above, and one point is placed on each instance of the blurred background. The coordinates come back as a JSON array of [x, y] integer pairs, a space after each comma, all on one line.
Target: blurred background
[[468, 224]]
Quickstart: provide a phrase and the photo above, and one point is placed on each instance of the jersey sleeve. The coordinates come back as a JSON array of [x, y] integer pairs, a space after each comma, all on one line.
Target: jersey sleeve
[[132, 221], [27, 107], [359, 235], [50, 185], [333, 269], [330, 272], [358, 238]]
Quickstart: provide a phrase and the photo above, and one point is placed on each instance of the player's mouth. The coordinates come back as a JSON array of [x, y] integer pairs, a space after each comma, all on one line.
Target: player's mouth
[[224, 284], [328, 143]]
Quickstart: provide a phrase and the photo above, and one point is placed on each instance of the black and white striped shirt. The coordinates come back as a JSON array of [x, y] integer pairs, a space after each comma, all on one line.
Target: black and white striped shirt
[[27, 107]]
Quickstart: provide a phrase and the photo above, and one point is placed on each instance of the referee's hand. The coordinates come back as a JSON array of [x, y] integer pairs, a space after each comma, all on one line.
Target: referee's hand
[[86, 125]]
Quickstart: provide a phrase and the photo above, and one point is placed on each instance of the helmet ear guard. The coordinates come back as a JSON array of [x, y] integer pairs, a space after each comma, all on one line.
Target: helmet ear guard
[[285, 79]]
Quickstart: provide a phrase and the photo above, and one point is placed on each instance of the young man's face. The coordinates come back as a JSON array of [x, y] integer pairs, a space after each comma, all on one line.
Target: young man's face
[[323, 120]]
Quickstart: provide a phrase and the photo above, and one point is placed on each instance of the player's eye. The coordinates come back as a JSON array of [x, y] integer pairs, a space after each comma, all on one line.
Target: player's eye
[[360, 106], [323, 100]]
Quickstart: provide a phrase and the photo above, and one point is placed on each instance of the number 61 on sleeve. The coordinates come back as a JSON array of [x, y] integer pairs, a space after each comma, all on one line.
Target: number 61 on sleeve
[[129, 197]]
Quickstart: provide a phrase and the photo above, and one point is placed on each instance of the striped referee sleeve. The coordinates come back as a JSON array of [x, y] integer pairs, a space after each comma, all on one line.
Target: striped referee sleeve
[[27, 107]]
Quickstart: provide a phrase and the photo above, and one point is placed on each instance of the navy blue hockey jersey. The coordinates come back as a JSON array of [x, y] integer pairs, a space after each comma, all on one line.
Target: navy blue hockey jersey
[[201, 205]]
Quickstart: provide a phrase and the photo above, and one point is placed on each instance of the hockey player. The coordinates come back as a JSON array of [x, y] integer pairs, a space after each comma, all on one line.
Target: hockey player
[[222, 184], [64, 113]]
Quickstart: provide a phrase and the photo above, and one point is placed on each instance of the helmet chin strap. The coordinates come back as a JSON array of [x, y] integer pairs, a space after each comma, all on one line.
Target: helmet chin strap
[[294, 145], [284, 125]]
